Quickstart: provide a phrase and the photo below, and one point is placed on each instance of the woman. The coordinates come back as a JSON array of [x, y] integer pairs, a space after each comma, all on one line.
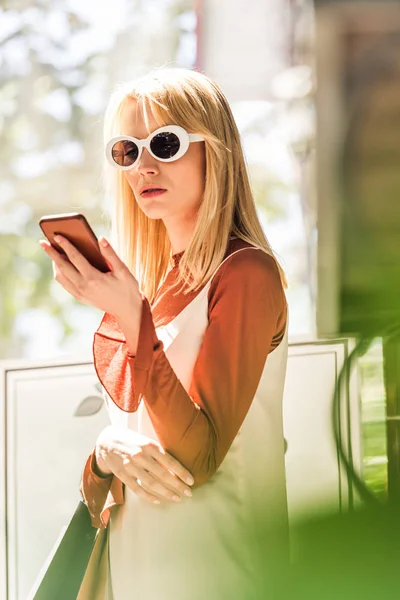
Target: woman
[[191, 352]]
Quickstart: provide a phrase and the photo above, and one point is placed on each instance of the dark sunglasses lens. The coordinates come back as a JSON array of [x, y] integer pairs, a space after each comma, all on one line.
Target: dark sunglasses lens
[[165, 144], [125, 153]]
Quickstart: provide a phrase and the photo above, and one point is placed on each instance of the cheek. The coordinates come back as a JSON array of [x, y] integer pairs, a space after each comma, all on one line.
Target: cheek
[[131, 178], [193, 172], [133, 182]]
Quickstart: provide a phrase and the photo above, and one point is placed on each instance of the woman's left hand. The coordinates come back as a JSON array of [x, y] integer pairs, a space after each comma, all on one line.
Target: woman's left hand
[[116, 292]]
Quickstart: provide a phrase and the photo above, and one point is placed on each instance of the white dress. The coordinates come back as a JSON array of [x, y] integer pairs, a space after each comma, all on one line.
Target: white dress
[[227, 541]]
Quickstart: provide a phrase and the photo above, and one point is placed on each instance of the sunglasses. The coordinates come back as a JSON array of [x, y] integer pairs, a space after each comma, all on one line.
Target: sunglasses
[[165, 144]]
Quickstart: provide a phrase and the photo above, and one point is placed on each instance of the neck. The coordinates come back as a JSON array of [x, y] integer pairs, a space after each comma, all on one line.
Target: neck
[[180, 234]]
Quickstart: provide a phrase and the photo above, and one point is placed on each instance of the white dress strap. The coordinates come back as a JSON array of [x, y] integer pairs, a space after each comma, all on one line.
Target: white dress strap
[[168, 332]]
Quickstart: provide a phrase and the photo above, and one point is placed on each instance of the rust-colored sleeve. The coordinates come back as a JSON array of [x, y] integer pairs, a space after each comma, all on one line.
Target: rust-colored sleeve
[[100, 494], [247, 306], [124, 377]]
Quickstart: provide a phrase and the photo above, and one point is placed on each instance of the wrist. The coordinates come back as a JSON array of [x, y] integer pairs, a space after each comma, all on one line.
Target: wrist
[[99, 466], [130, 313], [130, 325], [99, 463]]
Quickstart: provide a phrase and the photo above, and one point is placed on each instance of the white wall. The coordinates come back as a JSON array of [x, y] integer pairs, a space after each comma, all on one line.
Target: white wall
[[243, 44]]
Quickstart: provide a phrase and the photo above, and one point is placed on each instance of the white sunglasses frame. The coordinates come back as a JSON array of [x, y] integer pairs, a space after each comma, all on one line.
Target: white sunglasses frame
[[184, 137]]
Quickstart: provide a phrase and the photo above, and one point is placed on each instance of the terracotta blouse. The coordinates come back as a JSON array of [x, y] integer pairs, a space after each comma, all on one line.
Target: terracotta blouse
[[247, 314]]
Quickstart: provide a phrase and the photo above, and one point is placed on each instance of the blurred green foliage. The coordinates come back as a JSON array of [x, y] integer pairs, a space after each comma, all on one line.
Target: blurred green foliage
[[373, 427]]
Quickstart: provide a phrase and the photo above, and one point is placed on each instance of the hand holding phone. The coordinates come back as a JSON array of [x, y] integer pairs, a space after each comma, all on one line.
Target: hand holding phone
[[95, 277], [75, 228]]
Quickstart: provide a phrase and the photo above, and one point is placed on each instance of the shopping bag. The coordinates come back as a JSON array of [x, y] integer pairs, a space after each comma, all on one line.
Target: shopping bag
[[95, 584], [63, 572]]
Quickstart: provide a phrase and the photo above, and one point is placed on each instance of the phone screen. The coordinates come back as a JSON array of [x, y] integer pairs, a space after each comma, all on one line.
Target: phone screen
[[75, 228]]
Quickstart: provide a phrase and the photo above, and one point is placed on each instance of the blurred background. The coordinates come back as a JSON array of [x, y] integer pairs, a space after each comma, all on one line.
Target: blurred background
[[294, 72], [59, 62]]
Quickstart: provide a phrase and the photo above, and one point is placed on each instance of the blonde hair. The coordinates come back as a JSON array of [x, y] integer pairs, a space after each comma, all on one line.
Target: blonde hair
[[193, 101]]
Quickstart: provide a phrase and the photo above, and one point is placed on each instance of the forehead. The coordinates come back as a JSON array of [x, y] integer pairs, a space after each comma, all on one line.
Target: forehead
[[133, 120]]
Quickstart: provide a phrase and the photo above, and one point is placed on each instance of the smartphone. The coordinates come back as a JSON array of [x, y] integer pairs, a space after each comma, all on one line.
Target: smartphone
[[75, 228]]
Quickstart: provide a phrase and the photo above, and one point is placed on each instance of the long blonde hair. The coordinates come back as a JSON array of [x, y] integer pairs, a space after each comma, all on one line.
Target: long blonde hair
[[193, 101]]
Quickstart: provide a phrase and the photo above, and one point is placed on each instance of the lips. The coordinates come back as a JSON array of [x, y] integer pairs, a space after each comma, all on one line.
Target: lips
[[152, 190], [145, 191]]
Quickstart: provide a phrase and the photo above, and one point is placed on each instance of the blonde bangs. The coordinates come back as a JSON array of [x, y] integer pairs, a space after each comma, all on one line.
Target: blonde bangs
[[191, 100]]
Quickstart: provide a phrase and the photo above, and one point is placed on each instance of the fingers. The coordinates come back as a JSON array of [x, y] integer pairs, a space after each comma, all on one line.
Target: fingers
[[67, 284], [141, 493], [58, 259], [153, 478], [62, 267], [171, 464], [116, 264], [128, 475], [143, 466], [77, 259], [151, 484], [149, 489], [169, 480], [63, 271]]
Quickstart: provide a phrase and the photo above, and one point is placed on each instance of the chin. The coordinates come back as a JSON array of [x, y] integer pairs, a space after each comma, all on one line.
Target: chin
[[154, 212], [153, 216]]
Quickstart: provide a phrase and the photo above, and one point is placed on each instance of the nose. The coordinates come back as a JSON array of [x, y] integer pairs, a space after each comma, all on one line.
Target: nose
[[147, 164]]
